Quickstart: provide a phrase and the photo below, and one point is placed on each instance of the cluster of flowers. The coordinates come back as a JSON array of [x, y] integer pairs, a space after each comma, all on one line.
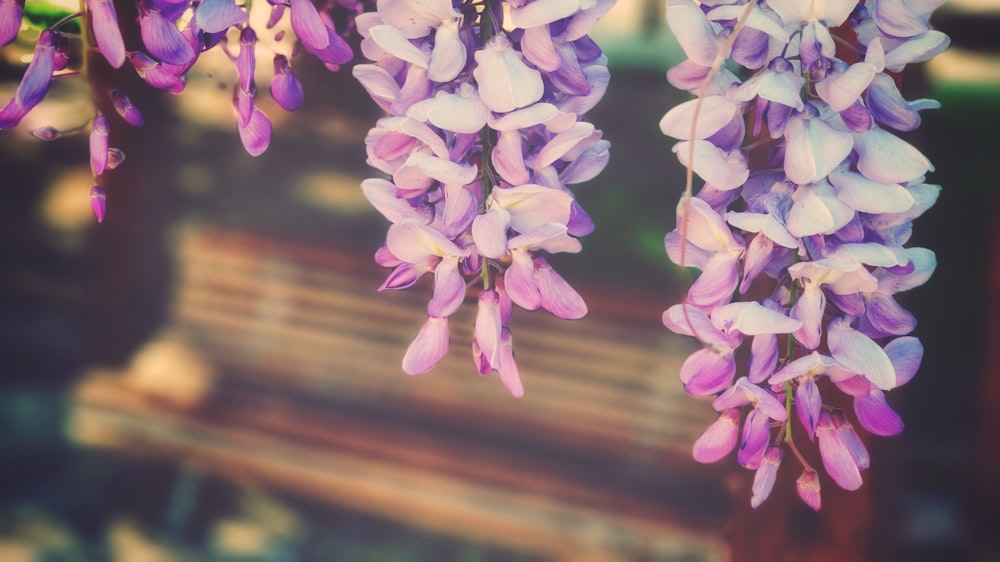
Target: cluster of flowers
[[173, 33], [484, 134], [817, 228]]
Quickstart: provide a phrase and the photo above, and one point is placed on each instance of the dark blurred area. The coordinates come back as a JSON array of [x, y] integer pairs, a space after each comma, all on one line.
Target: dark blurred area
[[211, 375]]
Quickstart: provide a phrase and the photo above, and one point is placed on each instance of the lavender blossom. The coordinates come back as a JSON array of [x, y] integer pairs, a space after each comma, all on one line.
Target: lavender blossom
[[822, 227], [484, 135], [173, 35]]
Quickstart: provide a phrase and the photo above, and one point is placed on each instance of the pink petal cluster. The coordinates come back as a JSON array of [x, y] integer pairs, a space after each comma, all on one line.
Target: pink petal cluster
[[484, 135], [820, 228], [173, 34]]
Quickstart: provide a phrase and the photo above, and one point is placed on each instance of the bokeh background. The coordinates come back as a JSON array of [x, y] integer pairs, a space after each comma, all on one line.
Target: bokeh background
[[211, 375]]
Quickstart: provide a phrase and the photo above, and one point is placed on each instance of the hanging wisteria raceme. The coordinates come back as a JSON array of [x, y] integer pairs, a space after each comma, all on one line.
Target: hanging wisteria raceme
[[800, 228], [173, 35], [483, 138]]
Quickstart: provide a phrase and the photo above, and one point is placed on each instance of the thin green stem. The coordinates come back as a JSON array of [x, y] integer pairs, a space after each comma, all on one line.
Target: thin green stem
[[486, 138]]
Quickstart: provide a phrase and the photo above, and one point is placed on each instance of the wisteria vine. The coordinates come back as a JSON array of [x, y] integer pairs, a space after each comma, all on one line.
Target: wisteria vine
[[483, 138], [808, 201], [173, 34]]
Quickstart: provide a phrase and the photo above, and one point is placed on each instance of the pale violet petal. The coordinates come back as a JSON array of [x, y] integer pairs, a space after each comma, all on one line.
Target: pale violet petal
[[886, 158], [860, 354]]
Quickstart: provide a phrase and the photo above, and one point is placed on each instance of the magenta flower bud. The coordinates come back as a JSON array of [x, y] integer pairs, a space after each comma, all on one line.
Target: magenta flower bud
[[99, 144], [286, 90], [807, 486], [47, 133], [123, 105], [98, 202], [115, 158]]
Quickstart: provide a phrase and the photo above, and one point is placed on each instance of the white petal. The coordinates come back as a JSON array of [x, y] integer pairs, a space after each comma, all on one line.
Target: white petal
[[714, 113], [886, 158], [813, 149], [859, 353]]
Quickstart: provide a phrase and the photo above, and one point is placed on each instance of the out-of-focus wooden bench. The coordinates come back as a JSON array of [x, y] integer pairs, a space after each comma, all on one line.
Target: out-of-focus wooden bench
[[280, 363]]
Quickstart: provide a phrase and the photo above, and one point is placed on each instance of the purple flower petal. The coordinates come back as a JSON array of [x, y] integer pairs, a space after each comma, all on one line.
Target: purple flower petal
[[885, 158], [763, 479], [449, 289], [808, 404], [449, 55], [286, 90], [508, 158], [557, 296], [163, 39], [308, 26], [427, 348], [405, 275], [214, 16], [508, 367], [706, 372], [887, 317], [487, 329], [813, 149], [98, 202], [693, 31], [256, 134], [756, 434], [104, 20], [246, 61], [154, 74], [763, 357], [10, 20], [719, 439], [888, 106], [98, 144], [519, 279], [807, 486], [905, 353], [489, 232], [717, 282], [875, 414], [837, 459], [35, 82], [860, 354], [123, 105], [505, 81]]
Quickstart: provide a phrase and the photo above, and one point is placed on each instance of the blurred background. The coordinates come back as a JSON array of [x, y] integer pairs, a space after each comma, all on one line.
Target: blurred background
[[210, 374]]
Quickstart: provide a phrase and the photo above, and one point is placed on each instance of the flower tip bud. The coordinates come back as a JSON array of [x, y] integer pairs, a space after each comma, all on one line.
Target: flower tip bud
[[98, 202], [47, 133]]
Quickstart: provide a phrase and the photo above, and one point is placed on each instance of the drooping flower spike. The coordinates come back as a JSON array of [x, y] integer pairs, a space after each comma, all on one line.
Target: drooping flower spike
[[820, 228], [483, 139], [171, 43]]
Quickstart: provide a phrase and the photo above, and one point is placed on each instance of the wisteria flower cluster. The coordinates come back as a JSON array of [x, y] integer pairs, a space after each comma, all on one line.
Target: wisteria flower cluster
[[174, 33], [484, 135], [800, 228]]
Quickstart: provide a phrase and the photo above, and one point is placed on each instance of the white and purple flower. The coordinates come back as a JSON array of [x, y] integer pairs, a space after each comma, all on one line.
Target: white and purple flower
[[821, 228], [483, 138]]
